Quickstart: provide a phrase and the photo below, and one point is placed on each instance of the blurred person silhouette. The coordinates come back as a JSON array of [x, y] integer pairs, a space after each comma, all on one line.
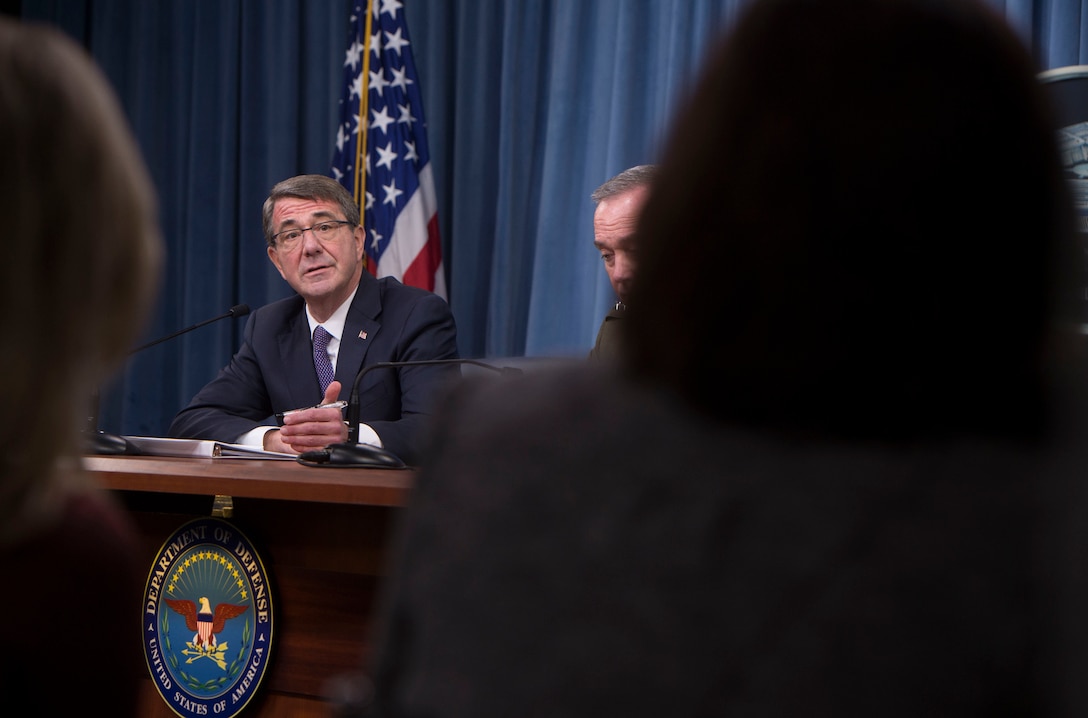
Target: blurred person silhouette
[[821, 483], [619, 201], [80, 270]]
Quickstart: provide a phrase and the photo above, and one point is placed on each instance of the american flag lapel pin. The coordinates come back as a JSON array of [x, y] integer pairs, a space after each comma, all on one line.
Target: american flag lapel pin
[[362, 335]]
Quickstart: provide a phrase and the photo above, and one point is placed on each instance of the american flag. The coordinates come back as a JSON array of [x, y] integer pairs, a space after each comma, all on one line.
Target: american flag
[[383, 159]]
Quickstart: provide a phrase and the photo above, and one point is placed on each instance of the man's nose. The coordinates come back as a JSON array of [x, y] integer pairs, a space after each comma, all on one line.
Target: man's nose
[[624, 270], [310, 242]]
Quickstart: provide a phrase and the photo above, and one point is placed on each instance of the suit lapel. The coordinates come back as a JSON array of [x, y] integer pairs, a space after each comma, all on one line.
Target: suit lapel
[[360, 329], [298, 360]]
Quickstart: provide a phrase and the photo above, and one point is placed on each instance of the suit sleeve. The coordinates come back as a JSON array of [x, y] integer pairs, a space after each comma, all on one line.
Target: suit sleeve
[[428, 331], [233, 403]]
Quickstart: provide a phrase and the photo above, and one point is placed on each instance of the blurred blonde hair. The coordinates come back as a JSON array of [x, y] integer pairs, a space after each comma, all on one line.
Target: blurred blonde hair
[[83, 252]]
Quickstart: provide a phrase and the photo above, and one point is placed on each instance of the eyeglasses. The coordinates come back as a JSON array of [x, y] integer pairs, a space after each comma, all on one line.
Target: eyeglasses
[[289, 238]]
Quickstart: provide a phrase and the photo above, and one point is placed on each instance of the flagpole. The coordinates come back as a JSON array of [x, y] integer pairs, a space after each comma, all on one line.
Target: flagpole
[[364, 96]]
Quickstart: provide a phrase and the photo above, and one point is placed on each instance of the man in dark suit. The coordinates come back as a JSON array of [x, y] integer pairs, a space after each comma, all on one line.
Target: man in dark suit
[[315, 241]]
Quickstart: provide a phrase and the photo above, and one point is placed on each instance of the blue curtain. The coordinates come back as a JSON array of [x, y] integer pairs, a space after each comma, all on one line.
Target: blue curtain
[[530, 104]]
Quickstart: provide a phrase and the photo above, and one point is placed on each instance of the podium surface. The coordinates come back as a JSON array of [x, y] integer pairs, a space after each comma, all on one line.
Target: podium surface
[[321, 533]]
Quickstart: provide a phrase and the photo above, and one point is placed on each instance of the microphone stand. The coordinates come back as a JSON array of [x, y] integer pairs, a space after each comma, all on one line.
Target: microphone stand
[[351, 452], [103, 443], [100, 442], [238, 310]]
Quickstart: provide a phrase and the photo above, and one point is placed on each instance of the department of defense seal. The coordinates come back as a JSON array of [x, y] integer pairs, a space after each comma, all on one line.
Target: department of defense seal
[[207, 620]]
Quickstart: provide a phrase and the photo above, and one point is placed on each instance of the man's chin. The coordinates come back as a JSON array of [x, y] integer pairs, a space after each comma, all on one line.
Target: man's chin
[[315, 286]]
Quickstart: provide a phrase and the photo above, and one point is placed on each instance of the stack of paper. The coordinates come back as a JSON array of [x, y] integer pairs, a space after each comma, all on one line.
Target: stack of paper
[[162, 446]]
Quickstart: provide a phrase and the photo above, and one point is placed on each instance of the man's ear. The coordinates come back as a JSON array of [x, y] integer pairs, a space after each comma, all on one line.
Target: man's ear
[[275, 257], [360, 242]]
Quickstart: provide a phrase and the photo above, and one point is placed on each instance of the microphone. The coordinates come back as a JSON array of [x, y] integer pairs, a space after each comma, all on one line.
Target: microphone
[[101, 442], [238, 310], [351, 452]]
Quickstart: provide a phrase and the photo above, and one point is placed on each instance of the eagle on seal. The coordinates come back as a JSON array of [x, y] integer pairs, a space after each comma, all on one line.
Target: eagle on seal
[[203, 621]]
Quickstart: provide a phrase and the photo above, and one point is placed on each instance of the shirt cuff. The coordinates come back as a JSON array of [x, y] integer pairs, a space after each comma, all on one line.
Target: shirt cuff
[[369, 436], [254, 437]]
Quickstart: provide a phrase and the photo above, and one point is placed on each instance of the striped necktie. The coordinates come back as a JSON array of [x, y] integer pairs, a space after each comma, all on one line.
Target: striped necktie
[[321, 358]]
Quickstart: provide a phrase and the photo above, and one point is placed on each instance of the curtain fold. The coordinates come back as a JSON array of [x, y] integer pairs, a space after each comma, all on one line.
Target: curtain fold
[[530, 105]]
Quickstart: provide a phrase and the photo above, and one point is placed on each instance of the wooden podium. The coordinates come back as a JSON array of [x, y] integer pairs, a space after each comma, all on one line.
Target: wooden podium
[[321, 533]]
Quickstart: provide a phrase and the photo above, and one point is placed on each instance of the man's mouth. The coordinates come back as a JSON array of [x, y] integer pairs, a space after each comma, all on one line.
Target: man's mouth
[[318, 268]]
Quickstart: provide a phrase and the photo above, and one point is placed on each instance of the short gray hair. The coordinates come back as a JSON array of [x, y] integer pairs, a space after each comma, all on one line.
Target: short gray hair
[[629, 179], [309, 187]]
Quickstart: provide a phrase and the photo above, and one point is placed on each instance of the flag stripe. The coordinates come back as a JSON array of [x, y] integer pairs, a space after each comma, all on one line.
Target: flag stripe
[[427, 265], [410, 235]]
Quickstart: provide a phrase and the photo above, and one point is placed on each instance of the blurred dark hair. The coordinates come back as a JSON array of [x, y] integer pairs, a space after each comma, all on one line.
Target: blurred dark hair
[[854, 226]]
